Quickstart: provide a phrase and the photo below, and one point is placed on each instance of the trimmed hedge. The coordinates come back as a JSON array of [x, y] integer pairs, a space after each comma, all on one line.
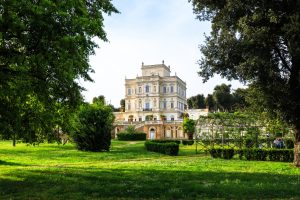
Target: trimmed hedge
[[187, 142], [131, 136], [225, 153], [169, 148], [289, 143], [283, 155], [166, 141]]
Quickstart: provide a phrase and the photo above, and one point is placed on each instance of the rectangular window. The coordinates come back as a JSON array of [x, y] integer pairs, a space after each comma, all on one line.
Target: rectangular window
[[129, 106], [164, 105], [164, 89], [172, 105], [147, 89], [172, 89], [147, 105], [129, 91]]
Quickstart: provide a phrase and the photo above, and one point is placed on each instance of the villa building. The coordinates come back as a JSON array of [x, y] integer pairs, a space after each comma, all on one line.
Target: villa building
[[154, 103]]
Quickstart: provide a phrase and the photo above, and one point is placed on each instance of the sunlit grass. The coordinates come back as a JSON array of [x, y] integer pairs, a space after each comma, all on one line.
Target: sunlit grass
[[128, 171]]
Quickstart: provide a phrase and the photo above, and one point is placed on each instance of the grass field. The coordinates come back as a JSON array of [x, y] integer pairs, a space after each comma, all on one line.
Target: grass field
[[128, 171]]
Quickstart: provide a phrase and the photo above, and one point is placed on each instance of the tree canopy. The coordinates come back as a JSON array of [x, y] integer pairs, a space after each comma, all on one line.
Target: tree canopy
[[196, 102], [223, 98], [256, 42], [44, 49]]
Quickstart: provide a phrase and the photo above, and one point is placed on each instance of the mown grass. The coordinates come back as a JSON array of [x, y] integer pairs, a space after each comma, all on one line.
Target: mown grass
[[128, 171]]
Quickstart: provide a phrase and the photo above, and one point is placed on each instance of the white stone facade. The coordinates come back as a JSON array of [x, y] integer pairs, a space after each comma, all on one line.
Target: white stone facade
[[156, 95]]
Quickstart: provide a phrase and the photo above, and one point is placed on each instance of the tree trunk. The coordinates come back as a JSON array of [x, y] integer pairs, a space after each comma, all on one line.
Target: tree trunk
[[297, 147]]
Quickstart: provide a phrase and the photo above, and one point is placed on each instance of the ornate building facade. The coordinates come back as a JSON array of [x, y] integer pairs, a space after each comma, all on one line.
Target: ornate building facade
[[154, 103]]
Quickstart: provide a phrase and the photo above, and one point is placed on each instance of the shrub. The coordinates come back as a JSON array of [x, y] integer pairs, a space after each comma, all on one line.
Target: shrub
[[284, 155], [131, 136], [187, 142], [130, 129], [260, 154], [226, 153], [169, 148], [167, 141], [249, 142], [215, 152], [274, 154], [289, 143], [94, 124]]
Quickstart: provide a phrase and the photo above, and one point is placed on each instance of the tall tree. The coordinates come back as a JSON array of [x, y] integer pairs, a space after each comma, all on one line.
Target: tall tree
[[100, 99], [239, 99], [223, 98], [196, 102], [44, 48], [256, 42], [189, 127], [122, 105], [210, 102]]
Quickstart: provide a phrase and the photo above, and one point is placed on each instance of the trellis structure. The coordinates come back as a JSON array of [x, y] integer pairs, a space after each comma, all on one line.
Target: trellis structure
[[231, 130]]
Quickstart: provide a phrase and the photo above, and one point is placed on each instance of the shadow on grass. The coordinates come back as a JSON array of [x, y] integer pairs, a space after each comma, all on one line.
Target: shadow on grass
[[71, 183], [10, 163]]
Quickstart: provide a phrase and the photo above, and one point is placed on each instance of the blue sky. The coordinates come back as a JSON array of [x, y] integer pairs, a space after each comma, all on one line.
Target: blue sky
[[149, 31]]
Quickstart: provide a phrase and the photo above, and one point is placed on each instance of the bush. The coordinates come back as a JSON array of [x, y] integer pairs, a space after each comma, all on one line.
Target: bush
[[215, 152], [274, 154], [187, 142], [169, 148], [284, 155], [249, 142], [167, 141], [131, 136], [226, 153], [289, 143], [94, 124]]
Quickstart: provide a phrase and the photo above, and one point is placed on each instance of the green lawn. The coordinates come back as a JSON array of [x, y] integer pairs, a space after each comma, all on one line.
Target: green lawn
[[128, 171]]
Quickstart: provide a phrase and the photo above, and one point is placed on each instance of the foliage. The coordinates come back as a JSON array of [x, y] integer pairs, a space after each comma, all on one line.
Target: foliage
[[130, 129], [44, 50], [189, 127], [131, 134], [125, 136], [167, 141], [94, 126], [122, 105], [256, 42], [187, 142], [169, 148], [223, 98], [289, 143], [210, 102], [284, 155], [196, 102], [100, 99], [149, 117], [226, 153], [239, 99]]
